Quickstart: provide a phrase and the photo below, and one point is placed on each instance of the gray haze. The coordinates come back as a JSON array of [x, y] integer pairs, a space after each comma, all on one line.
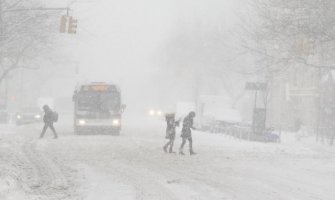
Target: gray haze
[[167, 99], [133, 43]]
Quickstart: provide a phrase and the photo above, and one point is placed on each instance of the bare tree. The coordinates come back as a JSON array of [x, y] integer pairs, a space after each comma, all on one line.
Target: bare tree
[[24, 33], [288, 32], [293, 41]]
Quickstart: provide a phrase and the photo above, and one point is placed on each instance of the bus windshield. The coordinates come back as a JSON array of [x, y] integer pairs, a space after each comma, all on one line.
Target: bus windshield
[[99, 101]]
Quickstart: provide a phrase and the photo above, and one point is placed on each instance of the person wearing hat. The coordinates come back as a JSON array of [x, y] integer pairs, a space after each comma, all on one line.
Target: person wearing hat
[[186, 133], [49, 119], [171, 125]]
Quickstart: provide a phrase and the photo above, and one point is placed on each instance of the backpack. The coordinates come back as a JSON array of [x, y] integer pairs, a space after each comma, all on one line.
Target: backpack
[[54, 116]]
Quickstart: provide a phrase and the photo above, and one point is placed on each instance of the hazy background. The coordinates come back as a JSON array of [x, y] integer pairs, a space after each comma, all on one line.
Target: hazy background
[[159, 52]]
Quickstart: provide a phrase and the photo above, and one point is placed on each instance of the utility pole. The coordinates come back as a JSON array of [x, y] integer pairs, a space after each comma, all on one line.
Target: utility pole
[[1, 20], [1, 56]]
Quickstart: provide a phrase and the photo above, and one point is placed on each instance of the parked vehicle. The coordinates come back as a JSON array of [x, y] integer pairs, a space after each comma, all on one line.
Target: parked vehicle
[[216, 113]]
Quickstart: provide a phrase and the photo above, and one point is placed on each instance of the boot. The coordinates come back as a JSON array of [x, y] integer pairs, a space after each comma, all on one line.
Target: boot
[[192, 152], [170, 151], [181, 152], [165, 149]]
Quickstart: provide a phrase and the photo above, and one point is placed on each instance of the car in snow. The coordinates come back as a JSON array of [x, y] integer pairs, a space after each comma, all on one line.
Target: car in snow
[[155, 112], [215, 113], [28, 115]]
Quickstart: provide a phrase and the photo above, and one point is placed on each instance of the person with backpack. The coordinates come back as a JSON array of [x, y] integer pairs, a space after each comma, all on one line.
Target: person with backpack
[[49, 118], [171, 125], [186, 133]]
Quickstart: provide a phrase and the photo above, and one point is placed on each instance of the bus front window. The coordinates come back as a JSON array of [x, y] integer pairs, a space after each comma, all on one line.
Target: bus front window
[[99, 102]]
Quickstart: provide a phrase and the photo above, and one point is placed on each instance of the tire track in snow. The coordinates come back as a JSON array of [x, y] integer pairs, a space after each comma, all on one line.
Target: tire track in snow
[[192, 185], [28, 169], [144, 182], [46, 179]]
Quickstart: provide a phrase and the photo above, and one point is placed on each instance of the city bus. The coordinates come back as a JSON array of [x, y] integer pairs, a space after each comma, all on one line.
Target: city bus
[[97, 108]]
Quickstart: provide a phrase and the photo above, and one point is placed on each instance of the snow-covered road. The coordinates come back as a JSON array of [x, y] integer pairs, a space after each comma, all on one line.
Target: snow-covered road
[[133, 166]]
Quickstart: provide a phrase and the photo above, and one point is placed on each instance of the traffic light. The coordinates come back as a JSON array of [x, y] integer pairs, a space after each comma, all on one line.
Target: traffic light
[[63, 22], [72, 29]]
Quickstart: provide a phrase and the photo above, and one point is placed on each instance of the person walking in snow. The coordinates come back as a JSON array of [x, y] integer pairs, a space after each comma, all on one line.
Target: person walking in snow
[[171, 125], [49, 118], [186, 133]]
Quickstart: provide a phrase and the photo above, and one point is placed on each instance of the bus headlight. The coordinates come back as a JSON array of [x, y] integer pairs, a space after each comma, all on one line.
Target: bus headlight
[[18, 116], [116, 122], [37, 116], [81, 122]]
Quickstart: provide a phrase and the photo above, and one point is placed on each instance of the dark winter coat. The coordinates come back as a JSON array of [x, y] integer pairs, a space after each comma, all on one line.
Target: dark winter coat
[[48, 116], [171, 125], [187, 126]]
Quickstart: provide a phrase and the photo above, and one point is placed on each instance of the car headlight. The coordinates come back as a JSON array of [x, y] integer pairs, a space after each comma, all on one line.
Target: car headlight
[[116, 122], [151, 112], [159, 113], [37, 116], [81, 122], [18, 116]]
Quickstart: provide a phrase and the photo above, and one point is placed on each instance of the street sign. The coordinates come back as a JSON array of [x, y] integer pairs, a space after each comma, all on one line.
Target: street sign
[[300, 92], [256, 86]]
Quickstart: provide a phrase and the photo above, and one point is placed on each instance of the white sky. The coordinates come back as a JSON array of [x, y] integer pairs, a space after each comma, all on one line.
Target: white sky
[[116, 34]]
